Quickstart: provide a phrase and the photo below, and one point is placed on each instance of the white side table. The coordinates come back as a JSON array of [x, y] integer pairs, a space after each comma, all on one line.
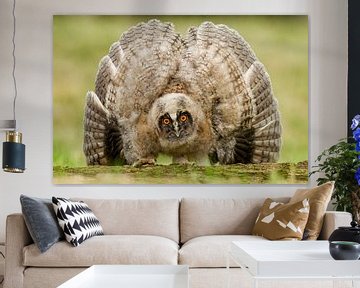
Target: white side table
[[284, 261]]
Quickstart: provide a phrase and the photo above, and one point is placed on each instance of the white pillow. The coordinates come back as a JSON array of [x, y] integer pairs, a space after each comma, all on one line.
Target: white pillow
[[76, 220]]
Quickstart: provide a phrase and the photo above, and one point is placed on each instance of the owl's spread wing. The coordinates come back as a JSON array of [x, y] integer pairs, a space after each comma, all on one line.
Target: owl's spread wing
[[95, 122], [149, 58], [266, 117], [134, 73], [220, 69]]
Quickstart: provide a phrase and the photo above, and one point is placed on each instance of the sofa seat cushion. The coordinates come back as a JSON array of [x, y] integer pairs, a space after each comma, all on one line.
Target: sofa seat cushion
[[211, 251], [107, 249]]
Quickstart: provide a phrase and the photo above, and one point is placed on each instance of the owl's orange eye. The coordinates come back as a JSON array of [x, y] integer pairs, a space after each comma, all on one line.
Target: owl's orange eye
[[166, 121], [183, 118]]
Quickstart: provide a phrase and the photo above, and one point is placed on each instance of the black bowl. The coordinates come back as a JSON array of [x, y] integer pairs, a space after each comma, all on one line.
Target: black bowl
[[344, 250]]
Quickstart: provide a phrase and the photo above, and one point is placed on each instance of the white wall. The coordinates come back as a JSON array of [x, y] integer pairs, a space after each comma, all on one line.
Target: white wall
[[328, 100]]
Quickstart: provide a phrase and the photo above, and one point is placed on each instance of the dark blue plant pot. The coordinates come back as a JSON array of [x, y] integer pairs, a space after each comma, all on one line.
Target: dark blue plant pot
[[344, 250]]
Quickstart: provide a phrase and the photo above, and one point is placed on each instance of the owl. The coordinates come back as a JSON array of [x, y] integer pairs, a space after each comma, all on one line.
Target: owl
[[197, 98]]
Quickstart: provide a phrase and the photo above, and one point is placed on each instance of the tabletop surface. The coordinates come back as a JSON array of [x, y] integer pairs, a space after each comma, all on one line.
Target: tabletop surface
[[291, 258], [286, 250], [131, 276]]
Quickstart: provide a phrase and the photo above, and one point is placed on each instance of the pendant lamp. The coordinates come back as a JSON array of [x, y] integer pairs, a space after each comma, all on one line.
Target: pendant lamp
[[13, 150]]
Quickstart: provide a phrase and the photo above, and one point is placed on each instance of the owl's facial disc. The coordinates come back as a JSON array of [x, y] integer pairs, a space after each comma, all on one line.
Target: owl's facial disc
[[176, 126]]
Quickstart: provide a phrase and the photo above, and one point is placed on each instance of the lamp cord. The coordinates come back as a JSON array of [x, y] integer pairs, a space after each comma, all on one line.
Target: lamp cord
[[14, 61]]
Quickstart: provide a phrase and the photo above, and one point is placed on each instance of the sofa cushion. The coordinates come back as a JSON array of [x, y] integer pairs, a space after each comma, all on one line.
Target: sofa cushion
[[77, 220], [279, 221], [319, 198], [41, 221], [200, 217], [107, 249], [211, 251], [158, 217]]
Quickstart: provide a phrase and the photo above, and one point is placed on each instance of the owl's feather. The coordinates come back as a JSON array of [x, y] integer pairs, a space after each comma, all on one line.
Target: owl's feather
[[150, 56], [95, 126], [266, 118], [212, 73], [221, 69]]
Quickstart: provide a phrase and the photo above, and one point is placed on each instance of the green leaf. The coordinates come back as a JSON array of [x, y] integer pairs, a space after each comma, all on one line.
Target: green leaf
[[339, 163]]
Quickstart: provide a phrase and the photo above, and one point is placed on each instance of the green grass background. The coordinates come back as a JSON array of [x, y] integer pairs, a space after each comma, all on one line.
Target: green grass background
[[79, 42]]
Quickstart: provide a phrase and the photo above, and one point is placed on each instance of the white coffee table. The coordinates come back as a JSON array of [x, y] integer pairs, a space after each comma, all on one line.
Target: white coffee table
[[285, 260], [131, 276]]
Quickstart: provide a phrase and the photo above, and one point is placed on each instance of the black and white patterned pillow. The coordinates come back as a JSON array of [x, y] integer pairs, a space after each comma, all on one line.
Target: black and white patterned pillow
[[77, 220]]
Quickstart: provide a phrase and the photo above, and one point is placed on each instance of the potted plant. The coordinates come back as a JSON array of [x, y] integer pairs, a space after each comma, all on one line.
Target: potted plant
[[341, 163]]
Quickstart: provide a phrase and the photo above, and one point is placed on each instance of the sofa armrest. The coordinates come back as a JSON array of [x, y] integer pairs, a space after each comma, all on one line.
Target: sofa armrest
[[333, 220], [17, 237]]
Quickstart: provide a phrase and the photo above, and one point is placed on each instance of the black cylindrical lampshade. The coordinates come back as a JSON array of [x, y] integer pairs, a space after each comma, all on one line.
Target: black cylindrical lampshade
[[13, 155]]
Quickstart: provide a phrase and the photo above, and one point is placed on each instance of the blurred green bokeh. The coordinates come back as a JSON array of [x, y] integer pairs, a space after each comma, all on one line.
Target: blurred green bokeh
[[79, 42]]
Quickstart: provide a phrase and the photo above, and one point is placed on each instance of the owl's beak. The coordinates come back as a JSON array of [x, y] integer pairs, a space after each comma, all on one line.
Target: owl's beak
[[176, 128]]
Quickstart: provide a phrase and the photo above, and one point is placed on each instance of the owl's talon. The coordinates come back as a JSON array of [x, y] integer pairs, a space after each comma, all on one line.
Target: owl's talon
[[144, 162], [180, 160]]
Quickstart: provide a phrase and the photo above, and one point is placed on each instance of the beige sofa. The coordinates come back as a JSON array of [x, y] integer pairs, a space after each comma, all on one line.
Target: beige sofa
[[194, 232]]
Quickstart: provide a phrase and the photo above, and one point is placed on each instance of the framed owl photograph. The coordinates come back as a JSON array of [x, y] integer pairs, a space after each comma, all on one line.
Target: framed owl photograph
[[171, 99]]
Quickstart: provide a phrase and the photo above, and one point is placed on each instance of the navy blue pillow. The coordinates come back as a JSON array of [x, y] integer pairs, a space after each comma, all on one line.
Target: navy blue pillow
[[41, 221]]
